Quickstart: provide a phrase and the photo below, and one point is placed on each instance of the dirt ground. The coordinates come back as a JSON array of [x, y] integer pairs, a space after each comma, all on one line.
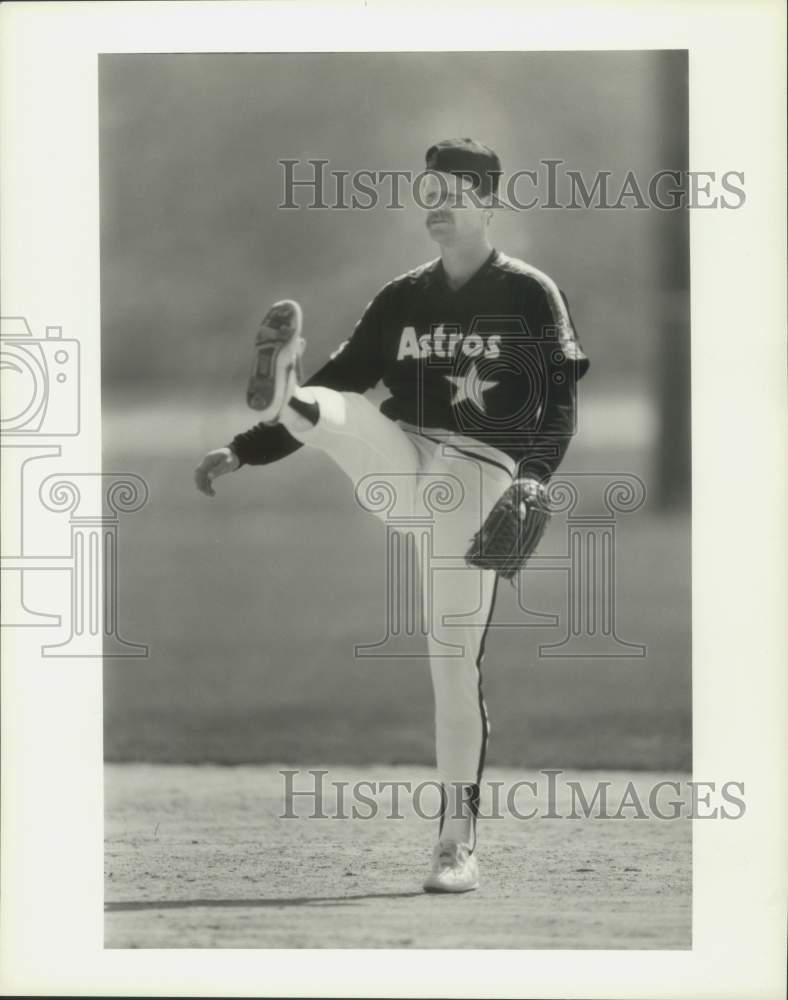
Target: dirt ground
[[197, 857]]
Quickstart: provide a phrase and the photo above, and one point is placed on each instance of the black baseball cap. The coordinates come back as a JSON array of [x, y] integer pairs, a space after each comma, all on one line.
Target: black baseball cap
[[467, 158]]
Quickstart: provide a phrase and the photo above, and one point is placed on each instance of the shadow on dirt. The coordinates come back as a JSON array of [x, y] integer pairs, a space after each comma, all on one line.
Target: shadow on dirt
[[186, 904]]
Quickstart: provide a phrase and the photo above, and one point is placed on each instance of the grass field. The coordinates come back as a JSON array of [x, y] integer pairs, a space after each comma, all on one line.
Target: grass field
[[252, 603]]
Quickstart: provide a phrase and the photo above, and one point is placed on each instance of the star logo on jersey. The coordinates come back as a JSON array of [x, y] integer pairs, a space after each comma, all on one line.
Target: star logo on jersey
[[470, 386]]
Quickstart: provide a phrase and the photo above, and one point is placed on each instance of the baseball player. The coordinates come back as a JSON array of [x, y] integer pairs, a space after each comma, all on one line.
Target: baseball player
[[479, 356]]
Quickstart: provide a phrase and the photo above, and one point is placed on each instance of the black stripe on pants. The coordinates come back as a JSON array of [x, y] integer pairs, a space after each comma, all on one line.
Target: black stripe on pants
[[476, 788]]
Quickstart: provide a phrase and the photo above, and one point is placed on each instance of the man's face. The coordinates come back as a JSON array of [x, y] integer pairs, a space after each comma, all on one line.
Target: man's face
[[455, 214]]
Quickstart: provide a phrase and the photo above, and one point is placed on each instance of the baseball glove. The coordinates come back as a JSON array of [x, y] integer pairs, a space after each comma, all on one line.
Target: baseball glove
[[512, 529]]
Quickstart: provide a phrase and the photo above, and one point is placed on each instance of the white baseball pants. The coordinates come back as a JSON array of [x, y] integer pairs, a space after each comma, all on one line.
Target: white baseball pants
[[458, 600]]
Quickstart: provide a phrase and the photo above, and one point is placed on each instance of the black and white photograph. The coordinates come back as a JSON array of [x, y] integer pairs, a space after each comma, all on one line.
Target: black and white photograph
[[409, 595], [409, 389]]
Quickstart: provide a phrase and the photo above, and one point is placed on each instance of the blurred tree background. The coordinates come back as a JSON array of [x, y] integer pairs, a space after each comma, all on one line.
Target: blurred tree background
[[194, 246]]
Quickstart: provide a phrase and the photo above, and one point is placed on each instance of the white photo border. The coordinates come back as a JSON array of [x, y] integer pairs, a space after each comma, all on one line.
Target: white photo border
[[52, 806]]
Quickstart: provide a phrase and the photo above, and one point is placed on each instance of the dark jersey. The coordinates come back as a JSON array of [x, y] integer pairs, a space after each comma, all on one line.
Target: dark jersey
[[496, 360]]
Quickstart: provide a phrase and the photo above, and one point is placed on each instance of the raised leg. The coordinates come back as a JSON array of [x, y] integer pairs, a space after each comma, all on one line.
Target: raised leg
[[353, 432]]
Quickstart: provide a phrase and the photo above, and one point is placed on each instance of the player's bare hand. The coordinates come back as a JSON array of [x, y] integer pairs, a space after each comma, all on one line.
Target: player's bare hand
[[216, 463]]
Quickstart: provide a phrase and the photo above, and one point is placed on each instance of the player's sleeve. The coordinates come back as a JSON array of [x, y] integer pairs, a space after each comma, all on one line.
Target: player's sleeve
[[355, 366], [541, 449]]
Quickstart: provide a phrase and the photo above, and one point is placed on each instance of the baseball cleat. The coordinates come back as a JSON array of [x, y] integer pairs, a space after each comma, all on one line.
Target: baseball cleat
[[454, 869], [277, 360]]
